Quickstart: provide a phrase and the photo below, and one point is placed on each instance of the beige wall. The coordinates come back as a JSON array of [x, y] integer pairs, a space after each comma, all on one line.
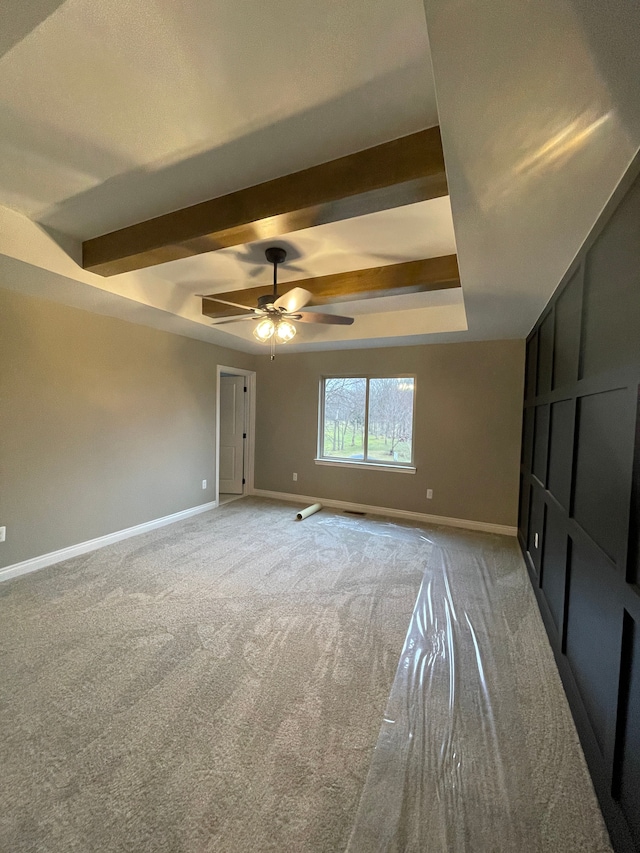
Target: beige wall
[[103, 424], [106, 424], [467, 438]]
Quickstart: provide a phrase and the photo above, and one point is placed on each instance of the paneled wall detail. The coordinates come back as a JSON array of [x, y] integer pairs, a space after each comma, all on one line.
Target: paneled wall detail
[[579, 511]]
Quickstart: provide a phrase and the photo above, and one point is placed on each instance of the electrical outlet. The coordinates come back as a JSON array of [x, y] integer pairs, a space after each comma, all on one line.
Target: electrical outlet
[[3, 534], [429, 494], [295, 478], [204, 484]]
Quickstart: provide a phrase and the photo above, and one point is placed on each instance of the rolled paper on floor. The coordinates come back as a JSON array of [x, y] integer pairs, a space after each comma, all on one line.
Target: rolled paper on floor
[[305, 513]]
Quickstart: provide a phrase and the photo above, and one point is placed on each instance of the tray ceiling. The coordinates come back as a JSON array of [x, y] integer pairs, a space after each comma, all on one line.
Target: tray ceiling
[[113, 113]]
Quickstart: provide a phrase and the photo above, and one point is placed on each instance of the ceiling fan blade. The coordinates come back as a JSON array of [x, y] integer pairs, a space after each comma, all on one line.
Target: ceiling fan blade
[[293, 300], [224, 302], [232, 320], [329, 319]]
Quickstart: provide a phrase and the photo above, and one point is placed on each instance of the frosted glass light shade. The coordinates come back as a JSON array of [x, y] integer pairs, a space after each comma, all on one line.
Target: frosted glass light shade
[[264, 330], [285, 331]]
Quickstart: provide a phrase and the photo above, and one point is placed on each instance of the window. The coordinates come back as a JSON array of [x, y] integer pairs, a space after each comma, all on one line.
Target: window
[[366, 421]]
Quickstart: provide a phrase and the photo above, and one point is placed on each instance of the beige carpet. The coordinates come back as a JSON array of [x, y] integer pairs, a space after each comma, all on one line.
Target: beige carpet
[[220, 685], [216, 685]]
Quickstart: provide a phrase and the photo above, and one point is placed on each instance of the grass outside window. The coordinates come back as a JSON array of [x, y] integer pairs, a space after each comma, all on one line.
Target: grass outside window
[[367, 420]]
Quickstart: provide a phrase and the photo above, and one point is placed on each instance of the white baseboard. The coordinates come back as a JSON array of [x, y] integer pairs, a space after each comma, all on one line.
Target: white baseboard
[[53, 557], [484, 526]]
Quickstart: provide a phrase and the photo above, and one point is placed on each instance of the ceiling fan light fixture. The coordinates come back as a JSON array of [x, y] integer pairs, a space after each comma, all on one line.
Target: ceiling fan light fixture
[[264, 330], [285, 331]]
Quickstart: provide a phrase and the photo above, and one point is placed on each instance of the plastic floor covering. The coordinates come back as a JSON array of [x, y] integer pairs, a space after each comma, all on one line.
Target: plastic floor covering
[[477, 750]]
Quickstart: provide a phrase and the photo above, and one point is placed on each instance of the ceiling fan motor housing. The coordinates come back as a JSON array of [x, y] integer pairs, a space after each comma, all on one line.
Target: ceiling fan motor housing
[[264, 301]]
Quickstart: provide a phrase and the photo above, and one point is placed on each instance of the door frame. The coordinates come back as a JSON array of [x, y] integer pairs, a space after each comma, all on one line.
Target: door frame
[[250, 427]]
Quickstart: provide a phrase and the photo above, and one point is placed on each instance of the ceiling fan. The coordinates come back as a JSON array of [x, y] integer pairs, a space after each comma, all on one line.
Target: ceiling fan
[[274, 313]]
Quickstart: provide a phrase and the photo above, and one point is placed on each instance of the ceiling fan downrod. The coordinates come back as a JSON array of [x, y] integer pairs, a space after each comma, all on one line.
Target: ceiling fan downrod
[[275, 255]]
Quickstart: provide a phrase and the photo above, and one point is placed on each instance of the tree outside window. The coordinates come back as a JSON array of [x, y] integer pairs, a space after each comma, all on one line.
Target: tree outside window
[[367, 419]]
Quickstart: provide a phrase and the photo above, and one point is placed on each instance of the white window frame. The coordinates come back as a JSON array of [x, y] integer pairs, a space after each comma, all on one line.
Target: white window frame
[[377, 465]]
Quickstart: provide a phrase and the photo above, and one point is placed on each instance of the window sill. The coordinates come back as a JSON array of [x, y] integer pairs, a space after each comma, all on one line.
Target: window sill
[[372, 466]]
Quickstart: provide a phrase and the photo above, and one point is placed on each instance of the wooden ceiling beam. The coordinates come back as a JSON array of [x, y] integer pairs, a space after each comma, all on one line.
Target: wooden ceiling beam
[[404, 171], [392, 280]]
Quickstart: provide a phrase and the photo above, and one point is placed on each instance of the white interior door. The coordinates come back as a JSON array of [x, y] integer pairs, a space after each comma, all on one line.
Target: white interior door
[[232, 426]]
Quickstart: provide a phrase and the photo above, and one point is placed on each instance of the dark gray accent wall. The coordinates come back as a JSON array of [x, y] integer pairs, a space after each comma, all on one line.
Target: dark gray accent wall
[[579, 518]]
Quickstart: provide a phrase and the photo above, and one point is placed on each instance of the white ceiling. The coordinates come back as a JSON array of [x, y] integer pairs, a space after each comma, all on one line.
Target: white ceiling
[[423, 230], [539, 108], [112, 112], [408, 233]]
